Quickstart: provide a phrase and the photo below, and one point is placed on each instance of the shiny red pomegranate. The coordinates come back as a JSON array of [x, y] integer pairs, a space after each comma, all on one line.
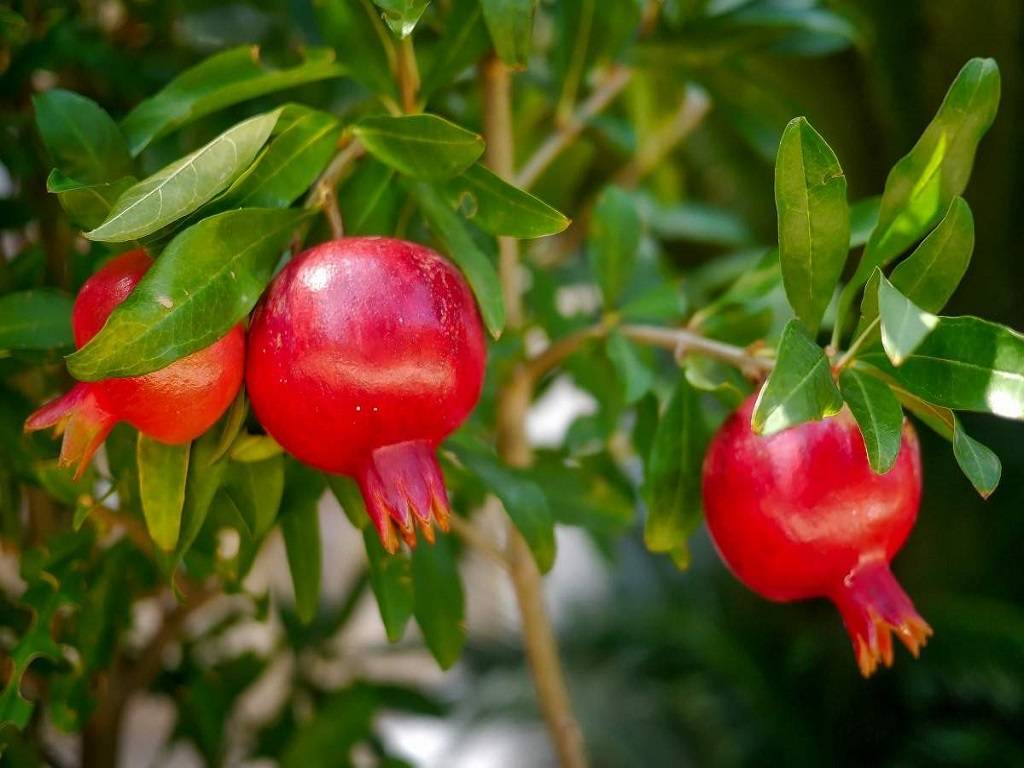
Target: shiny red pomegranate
[[364, 354], [800, 514], [173, 405]]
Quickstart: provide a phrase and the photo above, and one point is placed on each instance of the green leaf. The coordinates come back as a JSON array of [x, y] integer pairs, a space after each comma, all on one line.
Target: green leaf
[[205, 475], [921, 186], [510, 23], [814, 220], [391, 581], [300, 525], [438, 602], [464, 40], [523, 499], [81, 138], [205, 282], [800, 387], [977, 461], [500, 208], [695, 222], [904, 325], [863, 220], [291, 163], [233, 423], [421, 146], [461, 248], [87, 205], [929, 275], [965, 364], [401, 16], [355, 30], [673, 475], [183, 186], [250, 448], [878, 414], [35, 319], [163, 471], [226, 78], [636, 377], [256, 488], [370, 199], [613, 242], [346, 491]]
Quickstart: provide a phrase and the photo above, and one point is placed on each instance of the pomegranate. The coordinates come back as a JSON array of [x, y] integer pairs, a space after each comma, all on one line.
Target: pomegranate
[[800, 514], [173, 405], [365, 353]]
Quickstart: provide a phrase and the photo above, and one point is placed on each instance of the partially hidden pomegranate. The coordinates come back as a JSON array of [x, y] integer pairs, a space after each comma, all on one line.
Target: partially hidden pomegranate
[[364, 353], [800, 514], [173, 405]]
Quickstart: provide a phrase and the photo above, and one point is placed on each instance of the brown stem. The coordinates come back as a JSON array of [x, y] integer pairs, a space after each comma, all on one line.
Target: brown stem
[[469, 533], [324, 192], [408, 75], [514, 400], [682, 340]]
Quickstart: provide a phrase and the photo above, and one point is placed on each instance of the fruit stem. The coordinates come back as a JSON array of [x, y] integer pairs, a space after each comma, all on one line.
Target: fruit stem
[[324, 194], [408, 75], [848, 356]]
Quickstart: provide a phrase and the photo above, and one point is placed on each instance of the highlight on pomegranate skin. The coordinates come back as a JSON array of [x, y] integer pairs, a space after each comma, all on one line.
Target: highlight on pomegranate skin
[[800, 514], [174, 405], [364, 354]]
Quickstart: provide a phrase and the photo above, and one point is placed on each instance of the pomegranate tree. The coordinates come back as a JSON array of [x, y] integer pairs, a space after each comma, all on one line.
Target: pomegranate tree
[[174, 405], [801, 514], [363, 355]]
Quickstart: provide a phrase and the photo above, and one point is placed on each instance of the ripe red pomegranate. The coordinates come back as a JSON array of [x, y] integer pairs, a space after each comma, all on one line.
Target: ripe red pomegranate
[[800, 514], [173, 405], [364, 354]]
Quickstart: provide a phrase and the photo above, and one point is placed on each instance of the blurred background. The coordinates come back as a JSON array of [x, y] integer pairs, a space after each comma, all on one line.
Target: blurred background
[[666, 668]]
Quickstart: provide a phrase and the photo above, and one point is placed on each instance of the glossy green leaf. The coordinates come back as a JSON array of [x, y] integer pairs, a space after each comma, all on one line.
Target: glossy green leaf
[[205, 475], [523, 499], [401, 16], [205, 282], [461, 248], [878, 414], [863, 220], [163, 471], [500, 208], [289, 165], [904, 325], [800, 387], [636, 377], [977, 461], [35, 319], [464, 40], [256, 488], [613, 241], [673, 475], [232, 426], [813, 218], [355, 29], [250, 448], [510, 23], [421, 146], [83, 141], [87, 205], [226, 78], [391, 581], [438, 602], [929, 275], [921, 186], [371, 199], [300, 525], [183, 186], [346, 491]]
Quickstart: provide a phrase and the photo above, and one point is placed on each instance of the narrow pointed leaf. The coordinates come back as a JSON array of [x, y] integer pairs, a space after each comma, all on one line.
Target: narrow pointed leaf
[[363, 45], [461, 248], [863, 220], [977, 461], [205, 282], [87, 205], [35, 319], [391, 582], [500, 208], [256, 488], [464, 40], [904, 325], [183, 186], [347, 492], [226, 78], [205, 476], [421, 146], [253, 448], [163, 471], [438, 602], [800, 387], [636, 377], [300, 525], [613, 242], [813, 219], [401, 16], [510, 23], [81, 138], [878, 414]]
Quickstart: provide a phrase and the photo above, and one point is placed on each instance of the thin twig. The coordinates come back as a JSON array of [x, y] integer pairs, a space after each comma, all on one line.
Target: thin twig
[[408, 75], [324, 192], [847, 357], [553, 146], [537, 366], [682, 340]]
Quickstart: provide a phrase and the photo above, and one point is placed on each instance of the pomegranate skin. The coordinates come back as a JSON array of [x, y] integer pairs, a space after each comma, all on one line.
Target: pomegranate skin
[[800, 514], [364, 354], [174, 405]]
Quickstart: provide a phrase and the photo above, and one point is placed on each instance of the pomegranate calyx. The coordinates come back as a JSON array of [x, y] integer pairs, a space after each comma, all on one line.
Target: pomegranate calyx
[[403, 488], [84, 422], [874, 606]]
